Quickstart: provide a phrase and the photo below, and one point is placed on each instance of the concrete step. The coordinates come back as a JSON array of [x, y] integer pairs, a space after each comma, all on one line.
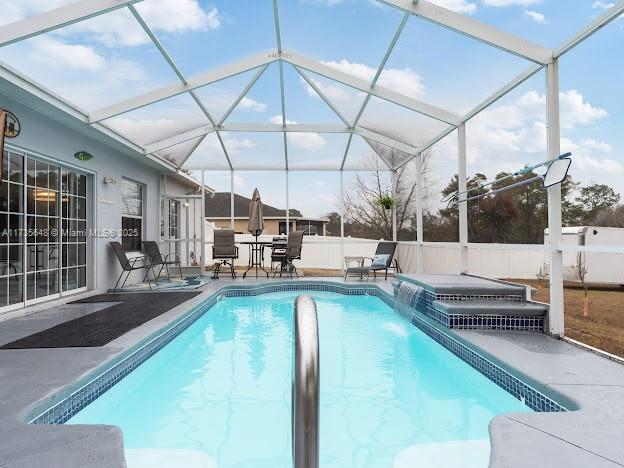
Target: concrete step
[[504, 308]]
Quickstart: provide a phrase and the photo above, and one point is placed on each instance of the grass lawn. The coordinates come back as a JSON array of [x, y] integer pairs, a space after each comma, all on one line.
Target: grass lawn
[[603, 328]]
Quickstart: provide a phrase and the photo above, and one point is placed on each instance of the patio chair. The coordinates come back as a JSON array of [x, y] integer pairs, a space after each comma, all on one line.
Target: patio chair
[[224, 250], [293, 252], [278, 250], [152, 251], [382, 261], [129, 265]]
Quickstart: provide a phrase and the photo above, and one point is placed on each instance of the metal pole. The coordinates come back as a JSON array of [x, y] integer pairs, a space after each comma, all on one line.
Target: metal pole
[[187, 226], [463, 207], [394, 206], [202, 217], [556, 309], [232, 199], [420, 264], [305, 386], [342, 213], [287, 203]]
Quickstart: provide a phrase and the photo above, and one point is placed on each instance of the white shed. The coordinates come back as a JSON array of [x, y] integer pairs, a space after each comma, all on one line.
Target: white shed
[[601, 267]]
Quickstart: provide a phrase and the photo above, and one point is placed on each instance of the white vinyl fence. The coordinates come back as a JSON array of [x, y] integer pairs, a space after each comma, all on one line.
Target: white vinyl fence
[[317, 252], [492, 260]]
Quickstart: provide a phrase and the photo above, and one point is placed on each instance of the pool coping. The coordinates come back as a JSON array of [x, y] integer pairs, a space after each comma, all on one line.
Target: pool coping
[[509, 433]]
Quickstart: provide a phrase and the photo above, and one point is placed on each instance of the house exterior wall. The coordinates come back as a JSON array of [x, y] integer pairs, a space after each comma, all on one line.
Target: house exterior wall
[[42, 136], [271, 226]]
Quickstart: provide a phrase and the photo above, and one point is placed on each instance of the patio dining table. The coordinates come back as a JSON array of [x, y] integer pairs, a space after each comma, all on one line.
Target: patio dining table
[[256, 256]]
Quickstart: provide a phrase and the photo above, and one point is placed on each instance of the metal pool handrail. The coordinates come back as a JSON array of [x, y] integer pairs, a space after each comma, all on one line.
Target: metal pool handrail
[[305, 385]]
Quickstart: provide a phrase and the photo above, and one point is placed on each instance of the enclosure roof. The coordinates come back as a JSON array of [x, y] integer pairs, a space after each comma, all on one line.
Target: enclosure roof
[[197, 107]]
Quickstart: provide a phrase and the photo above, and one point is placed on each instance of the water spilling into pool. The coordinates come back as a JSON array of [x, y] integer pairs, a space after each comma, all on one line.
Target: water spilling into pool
[[219, 394], [408, 296]]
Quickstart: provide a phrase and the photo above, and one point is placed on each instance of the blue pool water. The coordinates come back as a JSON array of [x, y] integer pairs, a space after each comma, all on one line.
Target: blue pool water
[[219, 394]]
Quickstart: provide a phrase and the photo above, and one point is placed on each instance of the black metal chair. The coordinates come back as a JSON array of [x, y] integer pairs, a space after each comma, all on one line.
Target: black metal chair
[[152, 251], [129, 265], [278, 250], [383, 261], [293, 252], [225, 250]]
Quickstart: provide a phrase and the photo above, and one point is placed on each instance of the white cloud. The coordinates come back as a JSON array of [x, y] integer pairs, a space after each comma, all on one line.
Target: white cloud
[[404, 81], [306, 141], [574, 110], [506, 3], [327, 2], [536, 16], [120, 28], [600, 5], [235, 145], [50, 51], [330, 91], [179, 15], [459, 6], [252, 104], [597, 145]]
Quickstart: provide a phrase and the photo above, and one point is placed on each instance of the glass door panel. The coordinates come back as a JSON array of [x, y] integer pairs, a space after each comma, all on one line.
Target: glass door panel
[[42, 221], [74, 222], [11, 235]]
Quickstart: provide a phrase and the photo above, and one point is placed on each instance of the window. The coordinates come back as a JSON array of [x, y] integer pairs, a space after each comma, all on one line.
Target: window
[[131, 215], [174, 216]]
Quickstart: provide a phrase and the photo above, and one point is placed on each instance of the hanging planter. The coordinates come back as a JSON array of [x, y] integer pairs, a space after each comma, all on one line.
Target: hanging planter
[[386, 202]]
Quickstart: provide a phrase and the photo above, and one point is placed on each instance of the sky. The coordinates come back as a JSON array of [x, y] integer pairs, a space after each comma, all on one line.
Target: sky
[[106, 59]]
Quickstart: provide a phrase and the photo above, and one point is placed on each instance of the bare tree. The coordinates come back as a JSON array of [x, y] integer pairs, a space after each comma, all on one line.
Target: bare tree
[[579, 271], [364, 214]]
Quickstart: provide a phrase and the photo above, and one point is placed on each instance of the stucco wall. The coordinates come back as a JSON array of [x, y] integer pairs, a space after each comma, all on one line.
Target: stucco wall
[[44, 136]]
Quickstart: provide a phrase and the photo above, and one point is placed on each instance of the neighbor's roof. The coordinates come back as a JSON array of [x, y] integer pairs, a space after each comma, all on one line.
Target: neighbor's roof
[[218, 206]]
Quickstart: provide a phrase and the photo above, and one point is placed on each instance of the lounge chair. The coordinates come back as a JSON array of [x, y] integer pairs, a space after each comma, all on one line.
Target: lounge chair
[[224, 250], [382, 261], [129, 265], [152, 251], [293, 252]]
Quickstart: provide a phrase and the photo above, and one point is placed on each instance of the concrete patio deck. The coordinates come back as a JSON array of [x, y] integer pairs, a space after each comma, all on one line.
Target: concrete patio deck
[[591, 436]]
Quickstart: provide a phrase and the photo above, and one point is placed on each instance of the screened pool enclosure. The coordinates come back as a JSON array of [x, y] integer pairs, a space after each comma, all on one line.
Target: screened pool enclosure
[[283, 96]]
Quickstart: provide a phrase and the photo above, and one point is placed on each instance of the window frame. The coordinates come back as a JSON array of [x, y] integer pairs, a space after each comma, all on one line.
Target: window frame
[[132, 243]]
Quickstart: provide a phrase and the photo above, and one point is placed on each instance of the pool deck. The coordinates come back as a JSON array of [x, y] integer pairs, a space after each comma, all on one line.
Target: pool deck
[[591, 436]]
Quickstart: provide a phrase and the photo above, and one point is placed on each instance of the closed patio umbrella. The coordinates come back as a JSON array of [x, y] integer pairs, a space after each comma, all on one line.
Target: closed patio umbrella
[[256, 218]]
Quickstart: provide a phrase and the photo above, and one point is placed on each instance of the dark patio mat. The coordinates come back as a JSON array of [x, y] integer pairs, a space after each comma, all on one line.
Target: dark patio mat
[[103, 326]]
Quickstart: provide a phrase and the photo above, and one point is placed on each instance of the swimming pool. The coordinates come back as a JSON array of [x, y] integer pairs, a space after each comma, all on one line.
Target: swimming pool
[[219, 393]]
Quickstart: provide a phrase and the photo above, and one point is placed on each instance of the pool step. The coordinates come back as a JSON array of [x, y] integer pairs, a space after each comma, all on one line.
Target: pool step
[[491, 315]]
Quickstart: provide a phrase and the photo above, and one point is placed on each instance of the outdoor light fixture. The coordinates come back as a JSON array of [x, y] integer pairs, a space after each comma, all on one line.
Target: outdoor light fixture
[[110, 181], [83, 156], [556, 171]]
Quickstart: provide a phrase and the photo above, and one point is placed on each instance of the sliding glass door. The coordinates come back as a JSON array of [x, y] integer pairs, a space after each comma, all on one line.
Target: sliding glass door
[[43, 238]]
